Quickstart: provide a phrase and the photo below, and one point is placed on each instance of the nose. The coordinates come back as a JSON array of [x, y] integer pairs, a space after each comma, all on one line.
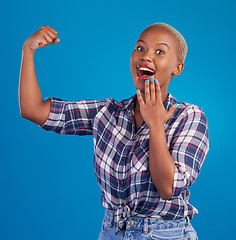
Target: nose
[[146, 56]]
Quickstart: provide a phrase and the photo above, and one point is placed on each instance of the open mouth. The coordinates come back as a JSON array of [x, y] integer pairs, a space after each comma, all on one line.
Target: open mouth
[[144, 71]]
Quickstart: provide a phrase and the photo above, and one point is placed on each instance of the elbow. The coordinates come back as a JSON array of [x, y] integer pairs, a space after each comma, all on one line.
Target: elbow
[[29, 115], [166, 194], [165, 190], [24, 113], [166, 197], [33, 116]]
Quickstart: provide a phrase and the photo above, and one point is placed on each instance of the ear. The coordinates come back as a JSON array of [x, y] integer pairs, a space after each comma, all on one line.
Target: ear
[[178, 68]]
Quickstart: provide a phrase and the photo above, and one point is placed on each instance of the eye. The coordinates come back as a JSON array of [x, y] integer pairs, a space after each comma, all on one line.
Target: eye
[[160, 52], [140, 48]]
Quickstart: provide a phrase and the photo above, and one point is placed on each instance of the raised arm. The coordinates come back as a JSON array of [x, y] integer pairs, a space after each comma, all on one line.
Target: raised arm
[[32, 105]]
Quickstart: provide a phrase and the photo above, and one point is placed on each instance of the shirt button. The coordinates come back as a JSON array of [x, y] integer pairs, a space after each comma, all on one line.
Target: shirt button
[[130, 223], [123, 158]]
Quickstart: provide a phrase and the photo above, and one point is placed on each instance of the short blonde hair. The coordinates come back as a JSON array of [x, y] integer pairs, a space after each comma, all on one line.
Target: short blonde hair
[[182, 43]]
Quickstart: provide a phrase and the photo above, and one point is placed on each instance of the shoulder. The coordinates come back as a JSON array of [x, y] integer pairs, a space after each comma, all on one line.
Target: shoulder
[[190, 112], [187, 115], [121, 104], [185, 109]]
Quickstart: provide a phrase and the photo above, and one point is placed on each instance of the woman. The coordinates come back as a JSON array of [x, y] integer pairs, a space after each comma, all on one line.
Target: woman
[[148, 149]]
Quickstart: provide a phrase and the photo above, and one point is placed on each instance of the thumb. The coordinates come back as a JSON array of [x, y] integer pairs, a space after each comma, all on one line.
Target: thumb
[[172, 110], [56, 40]]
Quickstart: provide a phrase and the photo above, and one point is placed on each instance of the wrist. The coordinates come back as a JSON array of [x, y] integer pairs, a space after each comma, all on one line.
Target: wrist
[[157, 126], [27, 49]]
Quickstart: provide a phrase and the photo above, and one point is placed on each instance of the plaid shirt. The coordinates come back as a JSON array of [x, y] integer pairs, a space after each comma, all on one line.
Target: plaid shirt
[[121, 154]]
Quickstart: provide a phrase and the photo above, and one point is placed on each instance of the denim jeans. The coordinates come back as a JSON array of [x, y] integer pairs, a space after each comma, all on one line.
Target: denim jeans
[[139, 228]]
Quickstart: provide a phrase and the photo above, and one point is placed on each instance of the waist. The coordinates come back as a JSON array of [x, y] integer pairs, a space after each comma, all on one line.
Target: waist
[[148, 222]]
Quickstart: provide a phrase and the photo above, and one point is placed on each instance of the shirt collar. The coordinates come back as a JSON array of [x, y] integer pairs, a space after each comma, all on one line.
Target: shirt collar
[[169, 102]]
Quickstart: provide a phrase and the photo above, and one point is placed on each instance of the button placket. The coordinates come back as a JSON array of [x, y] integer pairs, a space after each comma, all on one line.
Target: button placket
[[130, 223]]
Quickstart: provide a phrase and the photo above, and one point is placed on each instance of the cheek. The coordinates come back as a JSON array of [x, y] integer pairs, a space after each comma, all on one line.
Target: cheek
[[166, 66], [132, 64]]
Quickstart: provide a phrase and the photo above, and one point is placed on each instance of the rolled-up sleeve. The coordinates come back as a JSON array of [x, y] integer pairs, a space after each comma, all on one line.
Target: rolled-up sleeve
[[189, 147], [76, 118]]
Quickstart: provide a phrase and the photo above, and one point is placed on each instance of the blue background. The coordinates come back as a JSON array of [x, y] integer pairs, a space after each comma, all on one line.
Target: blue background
[[48, 189]]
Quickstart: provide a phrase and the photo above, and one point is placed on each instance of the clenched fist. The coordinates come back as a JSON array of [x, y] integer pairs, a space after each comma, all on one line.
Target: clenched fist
[[44, 36]]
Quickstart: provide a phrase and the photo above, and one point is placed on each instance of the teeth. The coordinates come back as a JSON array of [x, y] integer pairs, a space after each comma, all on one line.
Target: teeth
[[146, 69]]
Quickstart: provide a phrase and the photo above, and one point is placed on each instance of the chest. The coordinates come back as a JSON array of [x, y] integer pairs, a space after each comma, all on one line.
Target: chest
[[118, 146]]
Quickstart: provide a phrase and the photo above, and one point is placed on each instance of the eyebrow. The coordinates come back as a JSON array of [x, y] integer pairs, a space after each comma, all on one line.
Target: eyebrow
[[140, 40]]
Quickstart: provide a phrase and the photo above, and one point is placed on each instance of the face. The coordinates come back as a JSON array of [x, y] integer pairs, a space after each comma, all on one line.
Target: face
[[155, 55]]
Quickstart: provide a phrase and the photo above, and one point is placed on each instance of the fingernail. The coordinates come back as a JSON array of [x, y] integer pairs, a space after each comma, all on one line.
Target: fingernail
[[155, 81], [177, 105], [138, 90], [147, 81], [151, 78]]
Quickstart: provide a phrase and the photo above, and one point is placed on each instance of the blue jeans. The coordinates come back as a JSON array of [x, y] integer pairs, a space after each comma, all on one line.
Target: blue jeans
[[138, 228]]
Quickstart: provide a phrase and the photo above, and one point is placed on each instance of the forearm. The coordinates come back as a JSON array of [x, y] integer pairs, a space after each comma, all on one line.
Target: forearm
[[31, 102], [161, 163]]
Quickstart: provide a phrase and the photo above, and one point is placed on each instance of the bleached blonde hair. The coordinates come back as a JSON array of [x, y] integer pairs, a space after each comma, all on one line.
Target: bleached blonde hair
[[178, 36]]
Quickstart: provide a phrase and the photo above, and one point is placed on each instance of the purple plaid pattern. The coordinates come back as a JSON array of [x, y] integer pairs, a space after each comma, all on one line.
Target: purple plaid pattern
[[121, 154]]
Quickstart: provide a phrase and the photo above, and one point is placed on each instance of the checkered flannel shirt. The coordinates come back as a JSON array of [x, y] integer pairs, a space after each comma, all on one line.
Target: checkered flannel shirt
[[121, 154]]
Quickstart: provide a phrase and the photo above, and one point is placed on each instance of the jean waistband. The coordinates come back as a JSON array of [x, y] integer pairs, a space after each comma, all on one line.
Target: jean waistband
[[149, 223]]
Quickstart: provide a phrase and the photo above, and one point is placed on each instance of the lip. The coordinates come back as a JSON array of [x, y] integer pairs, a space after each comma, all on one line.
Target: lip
[[144, 66], [142, 78]]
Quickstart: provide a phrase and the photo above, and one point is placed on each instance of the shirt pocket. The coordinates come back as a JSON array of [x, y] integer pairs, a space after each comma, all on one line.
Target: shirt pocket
[[140, 158]]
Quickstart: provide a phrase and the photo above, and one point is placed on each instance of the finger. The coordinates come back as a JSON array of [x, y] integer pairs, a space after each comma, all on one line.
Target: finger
[[48, 38], [147, 92], [51, 29], [140, 98], [158, 91], [54, 38], [172, 110], [152, 90], [52, 35]]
